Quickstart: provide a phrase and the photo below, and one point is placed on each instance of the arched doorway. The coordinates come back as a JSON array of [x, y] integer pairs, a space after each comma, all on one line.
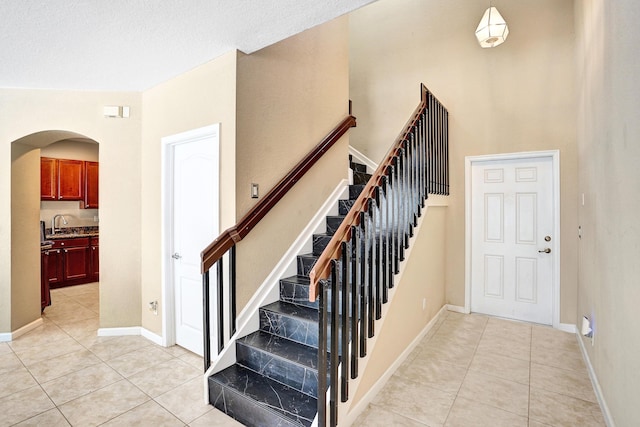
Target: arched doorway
[[27, 210]]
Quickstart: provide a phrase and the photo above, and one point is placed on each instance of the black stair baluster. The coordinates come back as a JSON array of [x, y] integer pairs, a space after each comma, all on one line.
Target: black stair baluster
[[232, 288], [219, 305], [322, 354], [384, 218], [363, 284], [377, 233], [370, 261], [206, 318], [355, 263], [344, 291], [334, 339]]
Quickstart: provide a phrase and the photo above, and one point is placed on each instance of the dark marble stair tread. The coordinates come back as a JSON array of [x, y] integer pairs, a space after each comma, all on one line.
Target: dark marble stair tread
[[292, 310], [281, 347], [275, 399]]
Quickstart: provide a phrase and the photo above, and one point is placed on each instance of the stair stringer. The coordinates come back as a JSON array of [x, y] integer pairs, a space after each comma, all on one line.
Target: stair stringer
[[350, 411], [248, 320]]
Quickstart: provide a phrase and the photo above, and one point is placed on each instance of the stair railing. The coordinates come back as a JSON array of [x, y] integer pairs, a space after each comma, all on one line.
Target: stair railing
[[357, 268], [225, 244]]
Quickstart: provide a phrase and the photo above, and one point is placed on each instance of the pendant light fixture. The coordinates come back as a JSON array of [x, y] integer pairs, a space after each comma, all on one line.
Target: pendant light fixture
[[492, 29]]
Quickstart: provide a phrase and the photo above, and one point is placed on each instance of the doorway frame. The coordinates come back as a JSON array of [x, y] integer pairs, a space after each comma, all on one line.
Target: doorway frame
[[469, 162], [168, 308]]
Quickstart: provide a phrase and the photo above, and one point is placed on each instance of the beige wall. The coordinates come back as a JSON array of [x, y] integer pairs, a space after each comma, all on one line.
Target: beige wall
[[25, 112], [609, 155], [290, 95], [25, 235], [516, 97], [198, 98], [423, 278]]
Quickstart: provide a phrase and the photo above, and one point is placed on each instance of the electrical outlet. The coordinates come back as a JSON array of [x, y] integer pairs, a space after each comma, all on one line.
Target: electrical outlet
[[153, 306]]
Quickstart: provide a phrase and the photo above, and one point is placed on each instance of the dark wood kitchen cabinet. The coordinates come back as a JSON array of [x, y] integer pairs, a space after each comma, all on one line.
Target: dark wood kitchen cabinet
[[48, 179], [69, 262], [70, 179], [95, 259], [61, 179], [90, 200], [53, 260]]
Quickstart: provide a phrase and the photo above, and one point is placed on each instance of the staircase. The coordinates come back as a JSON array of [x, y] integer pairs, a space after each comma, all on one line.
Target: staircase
[[274, 381]]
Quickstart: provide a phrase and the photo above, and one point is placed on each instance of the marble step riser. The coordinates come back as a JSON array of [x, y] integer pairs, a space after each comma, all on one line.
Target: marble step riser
[[358, 167], [299, 294], [361, 178], [286, 372], [294, 329], [244, 409]]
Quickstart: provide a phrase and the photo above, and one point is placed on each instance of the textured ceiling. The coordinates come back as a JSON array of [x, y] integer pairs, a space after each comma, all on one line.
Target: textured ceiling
[[131, 45]]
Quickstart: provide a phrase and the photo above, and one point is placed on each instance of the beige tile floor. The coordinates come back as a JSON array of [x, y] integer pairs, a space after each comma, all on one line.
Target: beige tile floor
[[62, 374], [475, 371], [469, 371]]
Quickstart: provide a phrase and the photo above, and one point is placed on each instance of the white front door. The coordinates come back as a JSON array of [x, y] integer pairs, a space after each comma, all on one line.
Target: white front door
[[512, 238], [193, 162]]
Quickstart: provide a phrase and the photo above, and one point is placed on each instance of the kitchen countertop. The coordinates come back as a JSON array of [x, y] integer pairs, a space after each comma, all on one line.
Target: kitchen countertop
[[73, 232]]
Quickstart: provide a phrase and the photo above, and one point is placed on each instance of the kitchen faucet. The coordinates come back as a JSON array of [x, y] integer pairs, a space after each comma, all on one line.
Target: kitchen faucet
[[53, 222]]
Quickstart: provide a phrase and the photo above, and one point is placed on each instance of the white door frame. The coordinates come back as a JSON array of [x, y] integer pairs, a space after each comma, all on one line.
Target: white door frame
[[555, 245], [168, 300]]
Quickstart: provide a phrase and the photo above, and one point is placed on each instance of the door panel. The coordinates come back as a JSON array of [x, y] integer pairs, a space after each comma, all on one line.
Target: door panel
[[194, 224], [511, 213]]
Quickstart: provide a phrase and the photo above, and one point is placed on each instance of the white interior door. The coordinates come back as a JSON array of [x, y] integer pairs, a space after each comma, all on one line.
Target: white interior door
[[512, 241], [193, 225]]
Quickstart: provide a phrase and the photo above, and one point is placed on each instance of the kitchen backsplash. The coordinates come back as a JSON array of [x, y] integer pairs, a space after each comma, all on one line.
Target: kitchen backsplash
[[75, 216]]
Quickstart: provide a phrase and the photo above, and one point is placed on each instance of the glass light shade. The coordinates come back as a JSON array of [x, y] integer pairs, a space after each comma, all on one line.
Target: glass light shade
[[492, 29]]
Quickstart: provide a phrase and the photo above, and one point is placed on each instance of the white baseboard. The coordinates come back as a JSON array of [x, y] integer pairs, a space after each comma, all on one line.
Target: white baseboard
[[10, 336], [606, 414], [567, 327], [456, 309], [153, 337], [119, 332], [131, 330], [357, 409]]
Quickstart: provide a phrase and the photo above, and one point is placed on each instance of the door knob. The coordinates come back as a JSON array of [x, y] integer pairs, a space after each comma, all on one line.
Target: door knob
[[176, 256], [545, 250]]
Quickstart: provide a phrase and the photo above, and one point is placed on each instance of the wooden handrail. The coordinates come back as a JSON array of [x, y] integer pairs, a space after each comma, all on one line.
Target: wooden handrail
[[233, 235], [322, 267]]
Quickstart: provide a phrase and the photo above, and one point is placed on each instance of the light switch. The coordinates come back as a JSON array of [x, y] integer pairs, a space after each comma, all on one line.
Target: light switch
[[254, 191]]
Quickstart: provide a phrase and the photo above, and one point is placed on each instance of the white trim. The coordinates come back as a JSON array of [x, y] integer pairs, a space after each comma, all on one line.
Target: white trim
[[362, 159], [568, 327], [457, 309], [153, 337], [131, 331], [168, 337], [357, 409], [119, 332], [10, 336], [269, 291], [606, 414], [555, 161]]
